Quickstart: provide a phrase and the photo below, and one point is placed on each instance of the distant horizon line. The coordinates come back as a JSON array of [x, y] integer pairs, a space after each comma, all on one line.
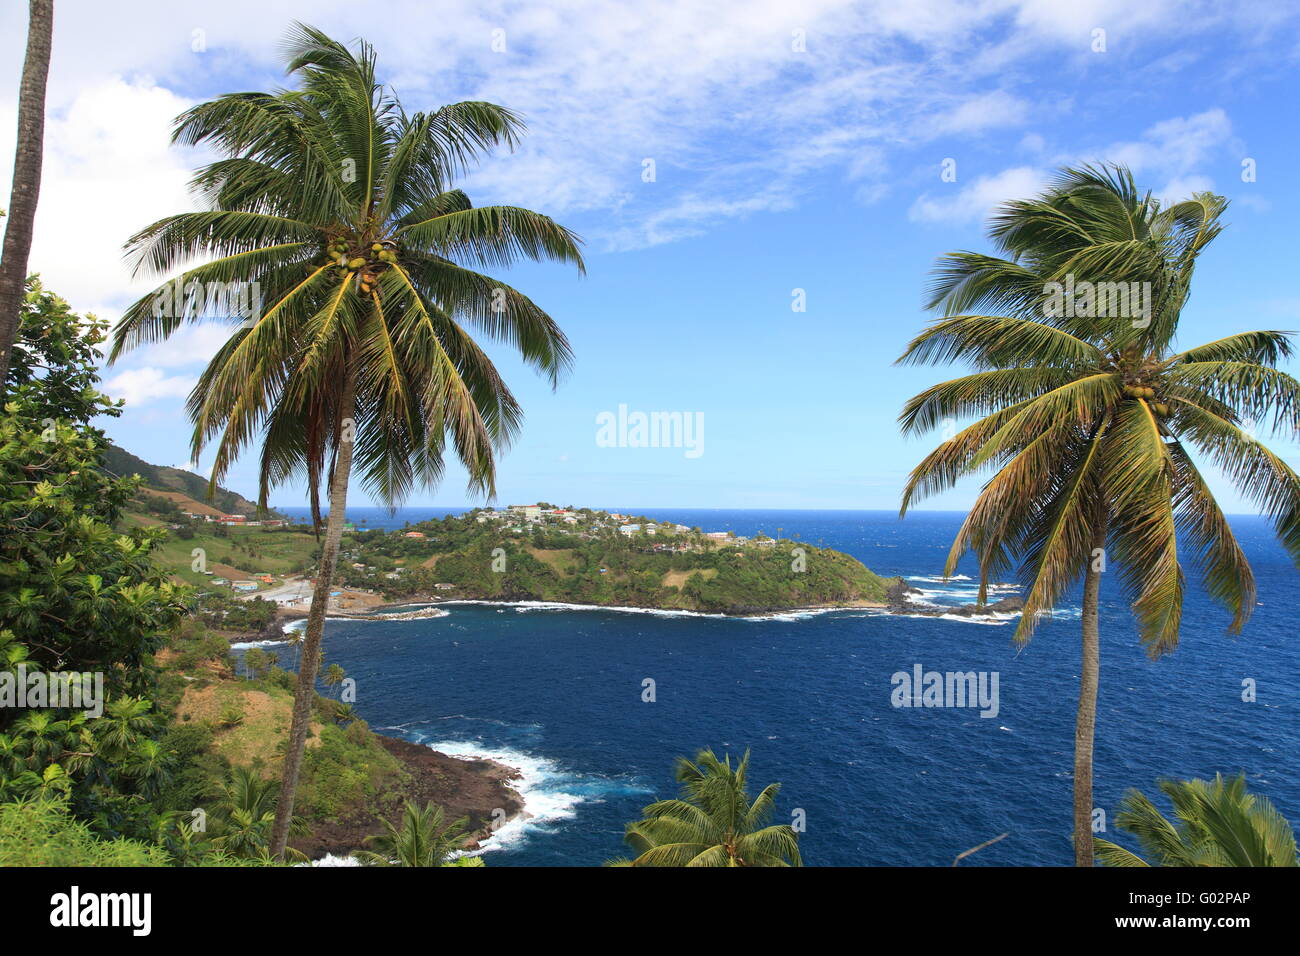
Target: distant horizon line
[[625, 509]]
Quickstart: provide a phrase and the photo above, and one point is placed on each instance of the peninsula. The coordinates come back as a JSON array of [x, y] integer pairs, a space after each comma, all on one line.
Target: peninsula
[[541, 552]]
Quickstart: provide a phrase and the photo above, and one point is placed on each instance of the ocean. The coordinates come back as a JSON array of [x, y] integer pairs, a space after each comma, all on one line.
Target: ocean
[[558, 693]]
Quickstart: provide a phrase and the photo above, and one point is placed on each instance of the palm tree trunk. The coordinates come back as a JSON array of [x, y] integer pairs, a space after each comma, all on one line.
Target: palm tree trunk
[[27, 175], [1086, 719], [305, 692]]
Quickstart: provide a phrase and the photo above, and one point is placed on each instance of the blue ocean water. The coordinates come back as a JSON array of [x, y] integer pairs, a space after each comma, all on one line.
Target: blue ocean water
[[558, 692]]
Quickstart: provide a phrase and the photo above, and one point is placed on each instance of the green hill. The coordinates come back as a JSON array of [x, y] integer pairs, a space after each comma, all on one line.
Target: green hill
[[593, 557], [121, 462]]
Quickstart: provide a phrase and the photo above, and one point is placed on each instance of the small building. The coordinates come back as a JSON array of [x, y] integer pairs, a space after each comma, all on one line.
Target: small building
[[414, 534], [443, 586], [629, 529]]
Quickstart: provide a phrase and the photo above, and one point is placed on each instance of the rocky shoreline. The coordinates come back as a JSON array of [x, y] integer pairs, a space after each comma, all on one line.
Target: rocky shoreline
[[897, 601], [476, 788], [901, 603]]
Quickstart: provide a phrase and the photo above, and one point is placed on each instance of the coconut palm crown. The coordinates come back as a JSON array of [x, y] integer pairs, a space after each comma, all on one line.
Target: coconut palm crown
[[1094, 423], [1216, 823], [337, 208], [713, 823]]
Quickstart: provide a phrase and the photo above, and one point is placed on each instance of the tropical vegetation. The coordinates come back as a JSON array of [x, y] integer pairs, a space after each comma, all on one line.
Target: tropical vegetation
[[351, 348], [1094, 423], [713, 822], [424, 838], [1216, 823]]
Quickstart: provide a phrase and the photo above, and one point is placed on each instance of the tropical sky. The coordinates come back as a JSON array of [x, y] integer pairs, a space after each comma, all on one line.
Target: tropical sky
[[726, 163]]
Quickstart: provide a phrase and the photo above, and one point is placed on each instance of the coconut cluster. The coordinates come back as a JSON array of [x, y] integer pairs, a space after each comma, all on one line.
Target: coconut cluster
[[365, 264], [1147, 392]]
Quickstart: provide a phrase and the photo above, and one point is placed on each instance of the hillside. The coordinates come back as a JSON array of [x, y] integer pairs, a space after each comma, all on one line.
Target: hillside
[[163, 478], [251, 554], [593, 557]]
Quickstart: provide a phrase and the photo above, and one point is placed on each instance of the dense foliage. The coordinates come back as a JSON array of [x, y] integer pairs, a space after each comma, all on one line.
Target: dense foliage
[[667, 570], [713, 823], [77, 593]]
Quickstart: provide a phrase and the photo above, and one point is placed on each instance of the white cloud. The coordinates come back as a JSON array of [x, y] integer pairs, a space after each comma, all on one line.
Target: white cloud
[[977, 199], [1172, 149], [147, 384], [993, 110], [188, 345], [108, 171], [736, 118], [1175, 146]]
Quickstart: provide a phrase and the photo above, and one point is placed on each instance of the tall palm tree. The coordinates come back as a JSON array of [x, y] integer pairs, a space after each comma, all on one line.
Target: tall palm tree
[[1092, 424], [246, 814], [339, 204], [1218, 824], [334, 675], [424, 839], [26, 186], [714, 823]]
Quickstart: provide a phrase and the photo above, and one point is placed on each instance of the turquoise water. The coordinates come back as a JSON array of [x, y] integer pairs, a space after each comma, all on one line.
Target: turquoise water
[[558, 692]]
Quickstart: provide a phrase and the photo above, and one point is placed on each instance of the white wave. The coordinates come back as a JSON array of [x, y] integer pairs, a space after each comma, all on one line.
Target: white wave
[[992, 619], [422, 613], [246, 645], [937, 578], [526, 607], [329, 859], [549, 794]]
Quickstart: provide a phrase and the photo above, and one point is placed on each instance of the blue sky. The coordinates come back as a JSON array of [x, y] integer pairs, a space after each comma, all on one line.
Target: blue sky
[[792, 151]]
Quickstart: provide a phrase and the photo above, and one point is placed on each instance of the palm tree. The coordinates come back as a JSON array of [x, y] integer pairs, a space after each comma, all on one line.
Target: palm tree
[[1218, 824], [1089, 423], [27, 174], [714, 823], [295, 639], [340, 204], [247, 814], [334, 675], [423, 839]]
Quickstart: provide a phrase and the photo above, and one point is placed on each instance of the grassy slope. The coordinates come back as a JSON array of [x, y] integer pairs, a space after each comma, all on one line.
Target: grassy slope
[[735, 580], [249, 551]]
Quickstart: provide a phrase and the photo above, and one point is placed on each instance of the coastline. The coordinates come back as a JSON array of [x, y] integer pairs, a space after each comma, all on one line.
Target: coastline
[[898, 602], [388, 611], [476, 787]]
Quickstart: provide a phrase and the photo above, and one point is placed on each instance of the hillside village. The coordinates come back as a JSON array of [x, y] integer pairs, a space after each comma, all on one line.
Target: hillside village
[[519, 552]]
